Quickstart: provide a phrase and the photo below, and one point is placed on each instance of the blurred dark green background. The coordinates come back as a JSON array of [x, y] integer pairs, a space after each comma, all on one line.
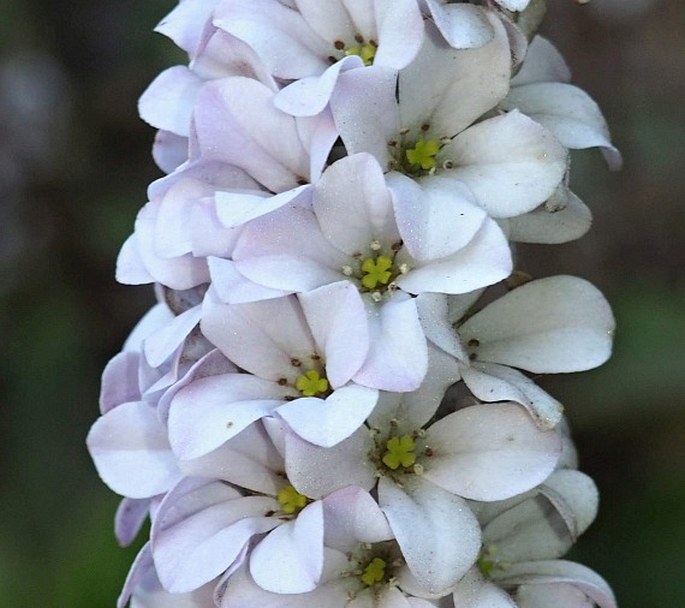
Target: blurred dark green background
[[74, 165]]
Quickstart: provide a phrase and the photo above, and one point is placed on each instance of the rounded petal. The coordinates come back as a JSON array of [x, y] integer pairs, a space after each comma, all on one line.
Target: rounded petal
[[449, 89], [330, 421], [437, 532], [489, 452], [353, 205], [552, 325], [310, 95], [544, 63], [484, 261], [131, 452], [462, 25], [369, 94], [120, 381], [545, 574], [335, 313], [473, 591], [435, 218], [509, 162], [290, 558], [235, 122], [260, 337], [212, 410], [316, 472], [168, 101], [398, 353], [351, 516], [563, 218], [568, 112]]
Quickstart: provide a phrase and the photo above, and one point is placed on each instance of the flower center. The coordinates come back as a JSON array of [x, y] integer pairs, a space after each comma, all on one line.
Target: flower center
[[400, 452], [375, 271], [374, 572], [373, 565], [415, 155], [311, 384], [422, 155], [366, 51], [488, 562], [291, 500], [397, 454]]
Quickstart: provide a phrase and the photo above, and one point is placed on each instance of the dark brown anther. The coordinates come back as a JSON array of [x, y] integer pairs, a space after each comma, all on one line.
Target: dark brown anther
[[339, 44], [282, 381], [425, 127], [473, 343], [359, 38], [295, 362]]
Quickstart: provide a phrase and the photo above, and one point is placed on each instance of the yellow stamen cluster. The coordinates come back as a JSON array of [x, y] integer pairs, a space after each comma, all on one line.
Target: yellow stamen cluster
[[311, 384], [400, 452], [291, 500]]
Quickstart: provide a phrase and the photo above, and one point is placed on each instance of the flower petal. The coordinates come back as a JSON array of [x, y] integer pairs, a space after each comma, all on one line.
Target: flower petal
[[463, 26], [437, 532], [435, 218], [131, 452], [316, 472], [509, 162], [490, 382], [563, 218], [568, 112], [552, 325], [330, 421], [489, 452], [398, 354], [211, 410], [201, 528], [290, 558], [352, 516], [335, 313]]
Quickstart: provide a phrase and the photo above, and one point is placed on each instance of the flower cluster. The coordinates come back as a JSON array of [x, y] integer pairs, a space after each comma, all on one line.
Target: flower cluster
[[331, 405]]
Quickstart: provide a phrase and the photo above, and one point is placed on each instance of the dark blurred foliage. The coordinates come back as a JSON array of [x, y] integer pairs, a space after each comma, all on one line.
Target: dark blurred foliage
[[74, 166]]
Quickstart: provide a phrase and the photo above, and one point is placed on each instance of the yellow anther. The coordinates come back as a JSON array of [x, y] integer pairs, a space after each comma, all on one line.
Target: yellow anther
[[311, 383]]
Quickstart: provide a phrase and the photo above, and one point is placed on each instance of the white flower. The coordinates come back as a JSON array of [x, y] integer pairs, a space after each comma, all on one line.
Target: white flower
[[484, 452], [421, 123], [301, 358], [384, 242]]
